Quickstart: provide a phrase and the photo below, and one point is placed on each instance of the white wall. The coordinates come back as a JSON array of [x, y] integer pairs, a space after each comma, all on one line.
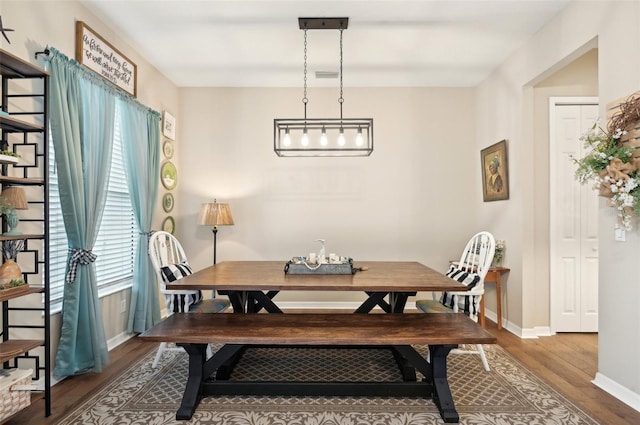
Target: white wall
[[408, 201], [505, 110]]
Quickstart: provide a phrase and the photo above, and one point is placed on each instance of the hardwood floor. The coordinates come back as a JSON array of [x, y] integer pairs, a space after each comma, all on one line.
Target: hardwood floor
[[566, 361]]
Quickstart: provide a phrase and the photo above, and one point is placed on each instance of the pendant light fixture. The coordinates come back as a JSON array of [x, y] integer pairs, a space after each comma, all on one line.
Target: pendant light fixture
[[297, 137]]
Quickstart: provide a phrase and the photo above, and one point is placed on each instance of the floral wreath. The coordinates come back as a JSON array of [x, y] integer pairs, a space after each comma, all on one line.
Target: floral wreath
[[611, 165]]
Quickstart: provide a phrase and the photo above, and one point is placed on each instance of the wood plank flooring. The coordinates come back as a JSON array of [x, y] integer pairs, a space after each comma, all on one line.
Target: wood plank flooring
[[566, 361]]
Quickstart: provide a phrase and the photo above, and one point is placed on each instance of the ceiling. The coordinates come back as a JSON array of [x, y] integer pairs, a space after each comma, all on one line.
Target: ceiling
[[389, 43]]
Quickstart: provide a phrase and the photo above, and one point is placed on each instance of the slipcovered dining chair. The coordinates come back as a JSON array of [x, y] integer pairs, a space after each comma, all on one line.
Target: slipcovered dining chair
[[170, 263], [471, 271]]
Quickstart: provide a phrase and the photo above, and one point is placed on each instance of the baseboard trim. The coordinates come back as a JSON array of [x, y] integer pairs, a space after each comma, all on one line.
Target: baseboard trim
[[118, 339], [618, 391], [526, 333]]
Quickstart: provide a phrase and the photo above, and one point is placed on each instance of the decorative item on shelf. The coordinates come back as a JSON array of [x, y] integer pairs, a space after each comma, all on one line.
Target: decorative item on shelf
[[614, 171], [329, 136], [9, 157], [498, 254], [15, 391], [215, 214], [10, 271], [13, 198]]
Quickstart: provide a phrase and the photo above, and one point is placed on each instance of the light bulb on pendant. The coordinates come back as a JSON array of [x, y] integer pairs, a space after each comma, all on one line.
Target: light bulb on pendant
[[305, 138], [287, 138], [359, 139], [341, 140], [323, 137]]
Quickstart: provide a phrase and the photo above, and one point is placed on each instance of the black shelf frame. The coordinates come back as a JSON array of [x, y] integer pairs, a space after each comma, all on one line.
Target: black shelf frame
[[33, 173]]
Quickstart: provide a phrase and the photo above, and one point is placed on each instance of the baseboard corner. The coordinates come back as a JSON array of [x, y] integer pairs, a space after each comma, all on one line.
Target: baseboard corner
[[618, 391]]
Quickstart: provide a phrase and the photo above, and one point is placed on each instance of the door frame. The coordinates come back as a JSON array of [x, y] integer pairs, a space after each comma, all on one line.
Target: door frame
[[553, 162]]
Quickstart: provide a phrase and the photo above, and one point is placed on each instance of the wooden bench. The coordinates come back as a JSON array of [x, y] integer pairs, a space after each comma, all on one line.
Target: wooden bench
[[442, 332]]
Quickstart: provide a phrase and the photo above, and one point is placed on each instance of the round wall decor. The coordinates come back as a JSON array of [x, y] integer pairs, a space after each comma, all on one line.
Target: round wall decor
[[169, 175], [169, 225], [167, 149], [167, 202]]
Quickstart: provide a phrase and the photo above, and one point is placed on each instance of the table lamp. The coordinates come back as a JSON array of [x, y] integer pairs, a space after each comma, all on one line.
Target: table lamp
[[16, 198], [215, 214]]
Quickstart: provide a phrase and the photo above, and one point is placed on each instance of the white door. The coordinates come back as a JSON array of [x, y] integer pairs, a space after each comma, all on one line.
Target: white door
[[573, 220]]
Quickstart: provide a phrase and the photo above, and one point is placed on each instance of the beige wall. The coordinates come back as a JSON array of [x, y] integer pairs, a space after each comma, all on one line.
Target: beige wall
[[408, 201], [39, 24], [424, 171], [506, 109], [578, 78]]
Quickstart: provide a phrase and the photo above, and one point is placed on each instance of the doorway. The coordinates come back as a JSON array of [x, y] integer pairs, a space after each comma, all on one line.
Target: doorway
[[573, 220]]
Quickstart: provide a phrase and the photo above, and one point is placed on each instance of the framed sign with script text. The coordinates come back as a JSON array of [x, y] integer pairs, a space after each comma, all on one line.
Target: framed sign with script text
[[101, 57]]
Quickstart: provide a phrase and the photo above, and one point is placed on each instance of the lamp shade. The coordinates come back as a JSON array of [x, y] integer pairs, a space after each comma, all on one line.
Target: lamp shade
[[215, 214], [15, 197]]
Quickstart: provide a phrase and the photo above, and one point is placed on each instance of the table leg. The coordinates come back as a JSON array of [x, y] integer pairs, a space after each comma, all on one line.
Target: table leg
[[398, 301], [265, 301], [375, 298], [499, 300], [238, 301]]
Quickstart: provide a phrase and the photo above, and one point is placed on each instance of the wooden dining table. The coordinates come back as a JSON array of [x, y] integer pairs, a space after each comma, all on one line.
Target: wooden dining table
[[253, 285]]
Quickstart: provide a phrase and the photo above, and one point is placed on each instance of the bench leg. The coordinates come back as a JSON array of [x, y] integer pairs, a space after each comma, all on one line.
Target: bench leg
[[197, 356], [224, 371], [199, 370], [406, 368], [435, 372], [442, 392]]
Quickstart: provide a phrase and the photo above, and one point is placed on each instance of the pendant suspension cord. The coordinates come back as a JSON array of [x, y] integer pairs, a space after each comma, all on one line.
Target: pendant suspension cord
[[304, 99], [341, 99]]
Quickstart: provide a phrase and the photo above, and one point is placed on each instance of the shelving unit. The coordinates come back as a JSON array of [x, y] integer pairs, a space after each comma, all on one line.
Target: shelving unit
[[25, 97]]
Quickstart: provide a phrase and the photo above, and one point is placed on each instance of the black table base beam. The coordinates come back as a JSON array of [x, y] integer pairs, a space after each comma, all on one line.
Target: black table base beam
[[362, 389]]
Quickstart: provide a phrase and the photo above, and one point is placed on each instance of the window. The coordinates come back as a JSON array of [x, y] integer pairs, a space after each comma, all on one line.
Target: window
[[117, 237]]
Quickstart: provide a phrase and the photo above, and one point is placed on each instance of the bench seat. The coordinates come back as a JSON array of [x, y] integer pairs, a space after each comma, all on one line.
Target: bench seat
[[399, 332], [319, 329]]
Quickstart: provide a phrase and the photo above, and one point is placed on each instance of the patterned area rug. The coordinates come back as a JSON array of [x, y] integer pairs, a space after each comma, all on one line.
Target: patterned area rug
[[507, 395]]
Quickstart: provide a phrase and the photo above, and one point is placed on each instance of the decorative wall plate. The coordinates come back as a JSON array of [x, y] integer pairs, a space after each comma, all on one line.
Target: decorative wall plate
[[167, 149], [169, 225], [167, 202], [169, 175]]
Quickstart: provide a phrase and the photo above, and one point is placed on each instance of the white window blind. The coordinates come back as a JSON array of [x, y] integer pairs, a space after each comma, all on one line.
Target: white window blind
[[117, 237]]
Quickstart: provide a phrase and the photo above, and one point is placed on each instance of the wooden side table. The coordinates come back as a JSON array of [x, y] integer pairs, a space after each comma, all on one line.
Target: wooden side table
[[494, 275]]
